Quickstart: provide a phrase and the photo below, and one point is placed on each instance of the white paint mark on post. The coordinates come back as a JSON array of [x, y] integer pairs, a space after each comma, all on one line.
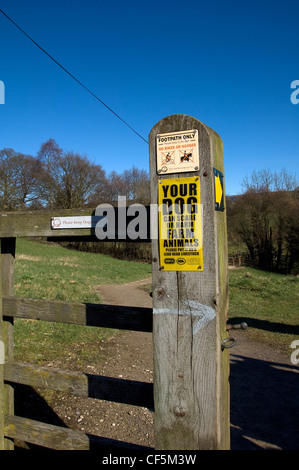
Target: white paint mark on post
[[204, 313]]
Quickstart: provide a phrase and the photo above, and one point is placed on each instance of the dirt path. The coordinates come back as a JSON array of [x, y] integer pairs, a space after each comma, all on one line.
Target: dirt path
[[263, 384]]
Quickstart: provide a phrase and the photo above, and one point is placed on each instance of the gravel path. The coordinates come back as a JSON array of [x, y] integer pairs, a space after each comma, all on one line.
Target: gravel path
[[263, 384]]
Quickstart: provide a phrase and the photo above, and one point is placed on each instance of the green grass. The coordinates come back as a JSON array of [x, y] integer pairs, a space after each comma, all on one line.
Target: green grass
[[49, 271], [268, 302]]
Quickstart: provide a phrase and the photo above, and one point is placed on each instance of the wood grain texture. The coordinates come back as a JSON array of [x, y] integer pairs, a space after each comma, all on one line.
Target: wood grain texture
[[99, 315], [86, 385], [58, 438], [190, 387], [8, 248], [2, 398], [38, 224]]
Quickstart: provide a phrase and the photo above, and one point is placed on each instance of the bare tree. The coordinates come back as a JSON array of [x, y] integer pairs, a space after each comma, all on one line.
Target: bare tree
[[7, 180], [26, 171], [78, 181], [19, 184], [108, 190], [133, 184], [137, 185], [265, 217], [68, 180], [49, 155]]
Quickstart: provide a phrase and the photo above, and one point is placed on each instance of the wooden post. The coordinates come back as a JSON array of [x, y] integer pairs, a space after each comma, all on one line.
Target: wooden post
[[190, 287], [8, 246], [2, 358]]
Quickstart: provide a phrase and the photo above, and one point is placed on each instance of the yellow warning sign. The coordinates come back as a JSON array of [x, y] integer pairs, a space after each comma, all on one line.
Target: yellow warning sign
[[180, 224]]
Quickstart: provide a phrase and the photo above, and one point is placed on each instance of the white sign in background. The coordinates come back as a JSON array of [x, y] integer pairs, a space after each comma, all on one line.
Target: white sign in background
[[74, 222]]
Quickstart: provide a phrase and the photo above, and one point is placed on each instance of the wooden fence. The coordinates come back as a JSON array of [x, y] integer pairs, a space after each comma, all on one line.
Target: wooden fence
[[12, 427], [235, 261], [190, 396]]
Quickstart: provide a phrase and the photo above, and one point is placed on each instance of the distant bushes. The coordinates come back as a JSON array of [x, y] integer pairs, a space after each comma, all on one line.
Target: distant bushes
[[265, 219], [122, 250]]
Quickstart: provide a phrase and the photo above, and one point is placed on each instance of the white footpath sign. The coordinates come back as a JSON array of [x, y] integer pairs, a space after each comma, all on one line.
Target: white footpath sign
[[177, 152]]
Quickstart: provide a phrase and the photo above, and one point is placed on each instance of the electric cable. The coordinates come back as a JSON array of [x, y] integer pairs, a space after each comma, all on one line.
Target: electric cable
[[72, 76]]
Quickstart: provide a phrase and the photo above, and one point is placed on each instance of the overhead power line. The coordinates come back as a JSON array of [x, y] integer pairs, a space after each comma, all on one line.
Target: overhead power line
[[72, 76]]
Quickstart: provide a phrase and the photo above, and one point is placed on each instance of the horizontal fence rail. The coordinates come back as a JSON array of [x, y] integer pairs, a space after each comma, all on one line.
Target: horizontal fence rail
[[111, 389], [38, 224], [59, 438], [86, 385], [100, 315]]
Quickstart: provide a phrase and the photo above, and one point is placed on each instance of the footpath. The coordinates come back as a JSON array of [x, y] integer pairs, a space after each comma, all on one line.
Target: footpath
[[263, 382]]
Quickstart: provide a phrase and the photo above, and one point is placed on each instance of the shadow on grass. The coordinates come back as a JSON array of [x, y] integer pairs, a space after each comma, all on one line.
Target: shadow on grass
[[266, 325], [264, 404]]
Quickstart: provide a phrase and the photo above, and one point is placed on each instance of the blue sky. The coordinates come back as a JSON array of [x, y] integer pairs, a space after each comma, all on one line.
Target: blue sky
[[229, 64]]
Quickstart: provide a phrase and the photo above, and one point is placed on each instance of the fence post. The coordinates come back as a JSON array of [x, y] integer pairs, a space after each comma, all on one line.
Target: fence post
[[8, 246], [190, 286], [2, 357]]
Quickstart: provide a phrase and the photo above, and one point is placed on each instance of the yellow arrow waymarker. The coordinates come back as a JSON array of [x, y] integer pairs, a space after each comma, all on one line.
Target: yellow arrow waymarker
[[218, 187], [218, 190]]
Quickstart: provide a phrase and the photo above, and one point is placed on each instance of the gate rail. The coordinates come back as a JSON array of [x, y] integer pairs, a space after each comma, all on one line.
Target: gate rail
[[37, 224]]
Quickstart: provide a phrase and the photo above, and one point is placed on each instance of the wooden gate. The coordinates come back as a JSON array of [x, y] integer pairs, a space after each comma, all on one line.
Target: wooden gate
[[12, 427], [190, 303]]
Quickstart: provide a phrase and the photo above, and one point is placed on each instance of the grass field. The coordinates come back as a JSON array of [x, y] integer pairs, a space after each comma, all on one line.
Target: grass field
[[48, 271], [267, 301]]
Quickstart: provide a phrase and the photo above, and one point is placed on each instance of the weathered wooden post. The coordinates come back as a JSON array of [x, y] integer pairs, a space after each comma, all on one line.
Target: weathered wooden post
[[7, 258], [190, 286], [2, 356]]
